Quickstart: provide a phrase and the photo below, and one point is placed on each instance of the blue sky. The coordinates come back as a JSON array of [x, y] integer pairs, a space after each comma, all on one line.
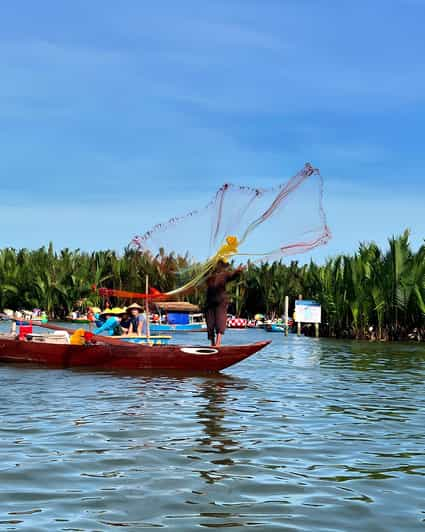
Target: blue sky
[[116, 115]]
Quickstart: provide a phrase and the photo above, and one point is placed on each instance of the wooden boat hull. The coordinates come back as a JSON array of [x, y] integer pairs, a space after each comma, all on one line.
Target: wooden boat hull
[[127, 356]]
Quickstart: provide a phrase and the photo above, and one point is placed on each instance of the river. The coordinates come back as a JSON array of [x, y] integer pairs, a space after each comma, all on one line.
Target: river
[[305, 435]]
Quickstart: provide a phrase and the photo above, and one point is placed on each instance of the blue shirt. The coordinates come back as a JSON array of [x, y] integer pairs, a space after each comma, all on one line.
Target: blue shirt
[[135, 320], [108, 327]]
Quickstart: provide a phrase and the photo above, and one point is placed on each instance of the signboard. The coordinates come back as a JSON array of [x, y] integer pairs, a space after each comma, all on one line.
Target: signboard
[[307, 311]]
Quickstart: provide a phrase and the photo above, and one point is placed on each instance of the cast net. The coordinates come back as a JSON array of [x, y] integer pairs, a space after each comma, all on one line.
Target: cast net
[[245, 224]]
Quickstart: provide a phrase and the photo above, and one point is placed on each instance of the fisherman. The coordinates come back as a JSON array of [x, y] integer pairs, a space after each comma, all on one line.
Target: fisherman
[[137, 320], [217, 300], [112, 325]]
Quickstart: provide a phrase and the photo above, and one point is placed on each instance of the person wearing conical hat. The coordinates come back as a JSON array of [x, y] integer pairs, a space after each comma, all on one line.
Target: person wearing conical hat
[[137, 320], [111, 327]]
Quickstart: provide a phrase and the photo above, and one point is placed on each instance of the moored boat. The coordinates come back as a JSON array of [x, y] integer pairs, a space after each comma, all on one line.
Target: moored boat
[[177, 327], [178, 316], [124, 355], [77, 320], [275, 327]]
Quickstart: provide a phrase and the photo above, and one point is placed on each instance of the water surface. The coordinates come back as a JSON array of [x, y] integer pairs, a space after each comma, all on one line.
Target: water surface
[[306, 435]]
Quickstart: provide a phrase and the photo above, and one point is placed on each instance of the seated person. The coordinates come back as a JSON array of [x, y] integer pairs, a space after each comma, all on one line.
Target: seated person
[[112, 325], [137, 320], [125, 324]]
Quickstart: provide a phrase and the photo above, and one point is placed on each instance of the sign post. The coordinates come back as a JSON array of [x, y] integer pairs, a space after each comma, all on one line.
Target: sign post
[[148, 332], [297, 316], [308, 311], [286, 315]]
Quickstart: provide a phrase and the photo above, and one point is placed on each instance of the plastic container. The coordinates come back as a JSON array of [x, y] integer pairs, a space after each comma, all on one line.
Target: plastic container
[[24, 330]]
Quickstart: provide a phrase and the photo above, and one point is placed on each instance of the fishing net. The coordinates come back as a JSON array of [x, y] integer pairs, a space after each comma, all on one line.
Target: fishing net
[[247, 224]]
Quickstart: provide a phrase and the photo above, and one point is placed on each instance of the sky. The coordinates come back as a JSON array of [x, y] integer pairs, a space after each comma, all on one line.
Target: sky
[[118, 115]]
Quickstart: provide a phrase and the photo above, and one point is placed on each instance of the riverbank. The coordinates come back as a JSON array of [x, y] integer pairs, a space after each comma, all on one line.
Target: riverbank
[[382, 289]]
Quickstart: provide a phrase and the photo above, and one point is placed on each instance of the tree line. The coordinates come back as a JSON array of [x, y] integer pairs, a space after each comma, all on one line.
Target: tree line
[[373, 292]]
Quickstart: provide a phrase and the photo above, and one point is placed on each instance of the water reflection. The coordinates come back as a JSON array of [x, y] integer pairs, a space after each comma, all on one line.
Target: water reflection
[[216, 438]]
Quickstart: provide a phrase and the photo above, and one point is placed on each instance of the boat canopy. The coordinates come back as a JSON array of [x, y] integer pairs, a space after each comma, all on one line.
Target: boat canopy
[[177, 307]]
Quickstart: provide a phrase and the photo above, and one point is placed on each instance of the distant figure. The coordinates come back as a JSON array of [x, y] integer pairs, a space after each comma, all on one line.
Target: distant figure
[[217, 301], [91, 318]]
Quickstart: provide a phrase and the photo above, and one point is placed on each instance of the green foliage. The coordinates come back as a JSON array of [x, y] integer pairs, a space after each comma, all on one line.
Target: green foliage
[[58, 282], [372, 288]]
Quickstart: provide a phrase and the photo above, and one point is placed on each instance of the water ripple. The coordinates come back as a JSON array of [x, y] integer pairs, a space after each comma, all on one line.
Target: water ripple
[[306, 435]]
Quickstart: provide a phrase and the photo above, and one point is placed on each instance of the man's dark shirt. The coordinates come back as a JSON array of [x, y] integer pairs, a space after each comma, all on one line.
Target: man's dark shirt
[[216, 288]]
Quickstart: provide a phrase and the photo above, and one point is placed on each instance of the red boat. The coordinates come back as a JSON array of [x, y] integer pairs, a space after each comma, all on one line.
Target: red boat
[[121, 355]]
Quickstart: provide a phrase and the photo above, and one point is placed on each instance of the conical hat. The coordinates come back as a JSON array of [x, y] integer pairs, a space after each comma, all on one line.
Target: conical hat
[[117, 311], [134, 305]]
